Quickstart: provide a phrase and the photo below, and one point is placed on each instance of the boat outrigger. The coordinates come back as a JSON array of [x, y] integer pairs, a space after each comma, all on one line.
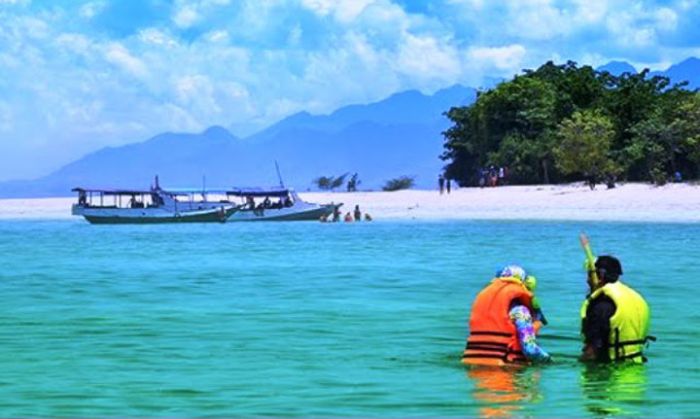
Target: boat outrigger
[[130, 206], [276, 204]]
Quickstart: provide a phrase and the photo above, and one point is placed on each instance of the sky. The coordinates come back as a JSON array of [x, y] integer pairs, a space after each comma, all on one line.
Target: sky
[[76, 76]]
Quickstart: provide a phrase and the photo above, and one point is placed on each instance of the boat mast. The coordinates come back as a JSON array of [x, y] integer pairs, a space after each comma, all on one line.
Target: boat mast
[[279, 176]]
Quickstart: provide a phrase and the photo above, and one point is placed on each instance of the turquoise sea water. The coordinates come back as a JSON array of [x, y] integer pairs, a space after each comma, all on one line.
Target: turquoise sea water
[[310, 319]]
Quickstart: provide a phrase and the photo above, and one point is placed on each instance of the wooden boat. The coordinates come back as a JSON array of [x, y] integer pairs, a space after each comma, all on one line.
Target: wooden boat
[[131, 206], [276, 204]]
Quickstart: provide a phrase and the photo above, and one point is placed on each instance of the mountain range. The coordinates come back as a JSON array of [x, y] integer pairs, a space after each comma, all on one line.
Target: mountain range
[[687, 70], [400, 135], [397, 136]]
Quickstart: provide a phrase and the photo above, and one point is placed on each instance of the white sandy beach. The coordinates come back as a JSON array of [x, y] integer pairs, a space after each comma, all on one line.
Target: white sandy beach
[[626, 202]]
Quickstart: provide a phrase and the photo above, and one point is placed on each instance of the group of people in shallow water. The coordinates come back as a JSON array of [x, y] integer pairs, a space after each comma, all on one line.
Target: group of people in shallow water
[[506, 318], [356, 215], [266, 203]]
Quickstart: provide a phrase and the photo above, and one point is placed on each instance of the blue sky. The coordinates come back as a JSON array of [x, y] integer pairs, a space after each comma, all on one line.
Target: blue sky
[[79, 75]]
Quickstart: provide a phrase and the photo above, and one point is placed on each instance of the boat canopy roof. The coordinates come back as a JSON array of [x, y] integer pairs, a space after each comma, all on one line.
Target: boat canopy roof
[[115, 191], [257, 192], [254, 192], [192, 191]]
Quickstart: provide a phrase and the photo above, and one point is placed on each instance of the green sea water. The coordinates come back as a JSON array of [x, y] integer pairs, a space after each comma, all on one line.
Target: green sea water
[[311, 319]]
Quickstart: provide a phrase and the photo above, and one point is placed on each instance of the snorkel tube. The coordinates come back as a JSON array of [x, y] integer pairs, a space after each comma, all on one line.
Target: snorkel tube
[[590, 259], [531, 283]]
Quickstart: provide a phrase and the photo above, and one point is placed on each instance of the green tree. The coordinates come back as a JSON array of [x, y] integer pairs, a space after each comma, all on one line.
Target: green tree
[[323, 182], [519, 124], [403, 182], [522, 109], [686, 122], [338, 181], [584, 146], [330, 182], [652, 149]]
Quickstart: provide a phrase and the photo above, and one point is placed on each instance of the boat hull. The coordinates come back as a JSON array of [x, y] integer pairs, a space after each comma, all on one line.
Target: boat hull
[[310, 213], [96, 216]]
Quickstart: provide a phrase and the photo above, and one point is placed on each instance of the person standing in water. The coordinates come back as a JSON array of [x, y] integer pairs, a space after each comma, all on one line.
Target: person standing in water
[[357, 214], [614, 317], [504, 321]]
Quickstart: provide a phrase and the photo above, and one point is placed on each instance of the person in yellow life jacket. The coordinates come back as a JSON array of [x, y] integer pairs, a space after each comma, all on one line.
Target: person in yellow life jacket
[[614, 317], [501, 325]]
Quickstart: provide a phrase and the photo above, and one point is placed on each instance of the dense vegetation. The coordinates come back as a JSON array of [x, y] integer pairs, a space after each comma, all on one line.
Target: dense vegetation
[[399, 183], [328, 183], [566, 123]]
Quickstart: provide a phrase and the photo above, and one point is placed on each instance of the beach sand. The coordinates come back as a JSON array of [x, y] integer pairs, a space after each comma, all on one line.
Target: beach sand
[[626, 202]]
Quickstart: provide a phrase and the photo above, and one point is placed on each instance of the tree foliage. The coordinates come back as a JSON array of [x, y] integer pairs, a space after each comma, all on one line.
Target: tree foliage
[[329, 183], [584, 145], [535, 124], [403, 182]]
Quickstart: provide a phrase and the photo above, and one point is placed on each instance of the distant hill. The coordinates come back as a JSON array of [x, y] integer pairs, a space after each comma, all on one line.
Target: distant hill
[[687, 70], [409, 107], [617, 68], [400, 135]]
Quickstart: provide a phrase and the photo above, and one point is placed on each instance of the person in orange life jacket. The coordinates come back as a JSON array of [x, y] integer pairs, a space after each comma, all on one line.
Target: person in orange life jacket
[[614, 317], [504, 320]]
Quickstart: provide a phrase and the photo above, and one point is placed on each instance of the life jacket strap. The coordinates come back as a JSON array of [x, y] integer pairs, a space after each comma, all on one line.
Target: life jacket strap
[[487, 333], [619, 346], [488, 346], [494, 356], [504, 358], [643, 341], [633, 355]]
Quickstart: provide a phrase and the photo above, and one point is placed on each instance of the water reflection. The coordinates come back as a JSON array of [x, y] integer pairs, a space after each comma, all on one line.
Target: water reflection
[[503, 391], [614, 389]]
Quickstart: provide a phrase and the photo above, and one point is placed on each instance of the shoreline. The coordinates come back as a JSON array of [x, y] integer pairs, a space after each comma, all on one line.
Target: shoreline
[[628, 202]]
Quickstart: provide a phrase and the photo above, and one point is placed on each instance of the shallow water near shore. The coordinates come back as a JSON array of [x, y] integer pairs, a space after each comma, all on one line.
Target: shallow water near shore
[[311, 319]]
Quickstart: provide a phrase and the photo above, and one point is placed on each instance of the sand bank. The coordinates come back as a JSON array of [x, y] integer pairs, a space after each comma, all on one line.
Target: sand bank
[[627, 202]]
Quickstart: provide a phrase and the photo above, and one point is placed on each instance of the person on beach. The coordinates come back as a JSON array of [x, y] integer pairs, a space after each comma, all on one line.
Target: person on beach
[[441, 183], [483, 174], [614, 317], [504, 321], [336, 213], [449, 185]]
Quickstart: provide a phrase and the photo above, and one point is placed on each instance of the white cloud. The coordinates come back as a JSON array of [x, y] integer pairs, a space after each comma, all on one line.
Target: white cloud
[[295, 35], [342, 10], [185, 16], [507, 59], [74, 42], [156, 37], [425, 57], [536, 19], [589, 12], [666, 19], [34, 28], [92, 9], [217, 36], [118, 55], [320, 7]]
